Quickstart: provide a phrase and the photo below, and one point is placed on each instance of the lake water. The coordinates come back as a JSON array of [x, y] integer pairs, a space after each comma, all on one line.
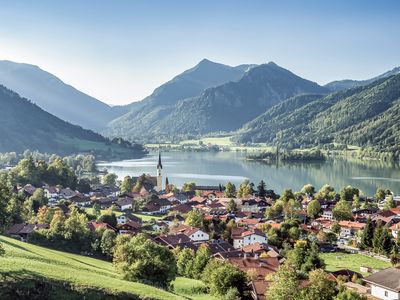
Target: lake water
[[212, 168]]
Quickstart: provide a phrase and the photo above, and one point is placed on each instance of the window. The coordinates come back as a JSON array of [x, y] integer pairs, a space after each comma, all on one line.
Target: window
[[386, 293]]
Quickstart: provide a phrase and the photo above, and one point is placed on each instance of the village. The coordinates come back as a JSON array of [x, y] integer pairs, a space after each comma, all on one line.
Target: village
[[249, 228]]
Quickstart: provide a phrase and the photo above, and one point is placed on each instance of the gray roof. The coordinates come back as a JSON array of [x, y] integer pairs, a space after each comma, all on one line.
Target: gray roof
[[388, 278]]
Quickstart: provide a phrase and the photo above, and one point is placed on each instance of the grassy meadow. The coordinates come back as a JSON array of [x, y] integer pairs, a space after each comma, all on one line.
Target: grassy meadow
[[337, 261], [73, 275]]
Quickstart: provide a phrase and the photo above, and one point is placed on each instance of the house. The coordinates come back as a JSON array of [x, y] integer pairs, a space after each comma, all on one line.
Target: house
[[242, 237], [81, 201], [22, 230], [327, 214], [159, 226], [385, 284], [158, 206], [395, 230], [105, 202], [28, 190], [172, 240], [51, 192], [129, 227], [349, 228], [67, 193], [94, 225], [125, 203], [170, 220], [195, 234]]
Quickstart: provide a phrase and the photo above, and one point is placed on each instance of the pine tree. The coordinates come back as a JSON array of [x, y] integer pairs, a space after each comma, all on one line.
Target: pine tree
[[261, 189], [367, 235]]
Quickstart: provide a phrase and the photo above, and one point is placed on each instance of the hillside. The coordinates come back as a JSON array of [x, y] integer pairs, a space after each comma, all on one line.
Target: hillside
[[24, 125], [223, 108], [50, 274], [340, 85], [145, 114], [362, 116], [55, 96]]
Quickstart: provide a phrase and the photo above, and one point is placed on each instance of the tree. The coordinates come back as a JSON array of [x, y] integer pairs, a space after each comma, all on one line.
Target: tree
[[348, 192], [230, 190], [304, 256], [222, 277], [342, 211], [231, 207], [203, 256], [142, 260], [367, 235], [188, 187], [382, 240], [285, 283], [380, 194], [83, 185], [194, 218], [5, 195], [290, 208], [320, 286], [326, 192], [308, 190], [395, 256], [245, 189], [390, 202], [110, 179], [59, 173], [287, 195], [356, 202], [126, 185], [96, 209], [184, 262], [346, 294], [75, 227], [313, 209], [108, 242], [335, 228], [35, 201], [261, 189], [109, 218]]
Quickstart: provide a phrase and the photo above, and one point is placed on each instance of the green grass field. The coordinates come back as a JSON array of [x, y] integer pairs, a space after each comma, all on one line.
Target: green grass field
[[82, 273], [191, 288], [351, 261]]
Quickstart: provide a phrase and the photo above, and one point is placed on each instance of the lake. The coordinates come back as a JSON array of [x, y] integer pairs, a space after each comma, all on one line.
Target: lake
[[212, 168]]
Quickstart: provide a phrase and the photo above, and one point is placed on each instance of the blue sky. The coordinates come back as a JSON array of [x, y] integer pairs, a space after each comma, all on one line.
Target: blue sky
[[119, 51]]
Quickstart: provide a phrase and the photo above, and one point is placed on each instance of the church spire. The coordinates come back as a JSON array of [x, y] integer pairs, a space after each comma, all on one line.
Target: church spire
[[159, 165]]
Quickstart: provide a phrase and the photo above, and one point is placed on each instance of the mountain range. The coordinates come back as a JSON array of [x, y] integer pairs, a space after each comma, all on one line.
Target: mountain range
[[254, 103], [55, 96]]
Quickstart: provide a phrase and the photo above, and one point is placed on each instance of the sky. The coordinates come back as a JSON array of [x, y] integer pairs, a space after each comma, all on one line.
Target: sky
[[120, 51]]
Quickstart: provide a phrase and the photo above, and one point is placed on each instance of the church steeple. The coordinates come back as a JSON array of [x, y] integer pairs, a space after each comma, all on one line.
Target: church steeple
[[159, 175], [159, 165]]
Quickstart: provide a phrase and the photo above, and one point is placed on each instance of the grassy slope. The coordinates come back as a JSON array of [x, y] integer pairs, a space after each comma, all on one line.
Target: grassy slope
[[80, 271], [190, 288], [351, 261]]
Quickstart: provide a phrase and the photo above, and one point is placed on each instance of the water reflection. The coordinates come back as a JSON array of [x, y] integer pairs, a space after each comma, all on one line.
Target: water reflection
[[206, 168]]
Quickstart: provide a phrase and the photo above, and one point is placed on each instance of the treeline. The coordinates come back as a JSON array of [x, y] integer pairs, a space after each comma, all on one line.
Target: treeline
[[312, 155], [78, 163]]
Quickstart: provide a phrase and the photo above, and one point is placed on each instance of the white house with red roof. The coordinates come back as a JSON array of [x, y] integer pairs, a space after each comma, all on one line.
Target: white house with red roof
[[195, 234], [243, 237]]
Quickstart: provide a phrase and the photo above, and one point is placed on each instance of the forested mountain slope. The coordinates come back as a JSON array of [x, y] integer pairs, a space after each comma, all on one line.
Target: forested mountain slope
[[223, 108], [364, 116], [24, 125]]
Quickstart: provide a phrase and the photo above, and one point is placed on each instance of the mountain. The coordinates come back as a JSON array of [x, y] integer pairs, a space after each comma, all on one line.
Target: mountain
[[144, 114], [222, 108], [340, 85], [24, 125], [54, 96], [363, 116]]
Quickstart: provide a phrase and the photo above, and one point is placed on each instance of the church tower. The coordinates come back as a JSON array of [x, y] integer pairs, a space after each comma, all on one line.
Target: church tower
[[159, 176]]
